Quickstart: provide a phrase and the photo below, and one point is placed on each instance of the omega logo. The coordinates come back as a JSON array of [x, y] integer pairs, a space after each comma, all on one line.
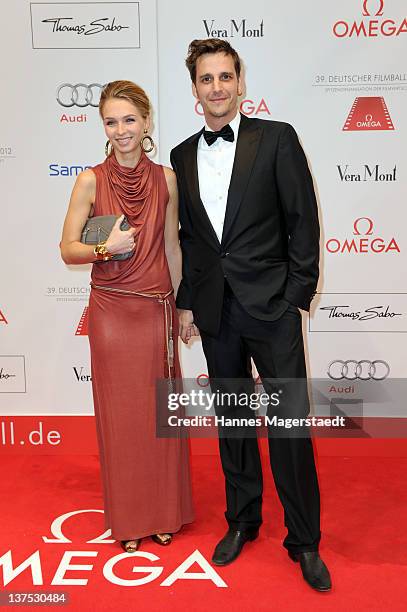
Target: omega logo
[[370, 27], [202, 380], [60, 538], [363, 226], [366, 11], [111, 568], [3, 318], [247, 107], [369, 231]]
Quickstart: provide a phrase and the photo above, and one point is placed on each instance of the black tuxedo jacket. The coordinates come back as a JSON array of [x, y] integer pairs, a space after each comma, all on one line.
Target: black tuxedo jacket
[[269, 251]]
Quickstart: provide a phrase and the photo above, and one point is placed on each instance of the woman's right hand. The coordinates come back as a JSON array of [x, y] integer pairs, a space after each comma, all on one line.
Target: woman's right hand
[[120, 241]]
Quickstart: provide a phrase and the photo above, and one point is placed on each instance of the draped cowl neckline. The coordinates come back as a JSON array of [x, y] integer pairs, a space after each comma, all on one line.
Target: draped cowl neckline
[[133, 187]]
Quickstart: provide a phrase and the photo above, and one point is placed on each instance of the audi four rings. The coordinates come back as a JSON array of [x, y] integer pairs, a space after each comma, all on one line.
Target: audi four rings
[[358, 370], [79, 95]]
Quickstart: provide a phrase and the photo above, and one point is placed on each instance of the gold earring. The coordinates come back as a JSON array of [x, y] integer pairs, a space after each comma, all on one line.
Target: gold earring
[[150, 140], [107, 145]]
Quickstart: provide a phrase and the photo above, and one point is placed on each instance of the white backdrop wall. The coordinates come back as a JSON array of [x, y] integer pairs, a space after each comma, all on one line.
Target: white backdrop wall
[[336, 71]]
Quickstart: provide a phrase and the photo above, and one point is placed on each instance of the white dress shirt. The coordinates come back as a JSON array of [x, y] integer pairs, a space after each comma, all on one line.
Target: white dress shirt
[[215, 165]]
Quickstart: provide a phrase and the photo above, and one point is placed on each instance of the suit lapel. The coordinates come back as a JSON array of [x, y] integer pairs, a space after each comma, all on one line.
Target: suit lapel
[[246, 150], [191, 173]]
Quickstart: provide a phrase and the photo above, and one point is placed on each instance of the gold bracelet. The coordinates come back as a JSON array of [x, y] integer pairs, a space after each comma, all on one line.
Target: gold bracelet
[[101, 253]]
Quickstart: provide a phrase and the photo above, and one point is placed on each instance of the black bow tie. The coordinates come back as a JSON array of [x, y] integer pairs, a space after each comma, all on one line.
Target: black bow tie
[[226, 133]]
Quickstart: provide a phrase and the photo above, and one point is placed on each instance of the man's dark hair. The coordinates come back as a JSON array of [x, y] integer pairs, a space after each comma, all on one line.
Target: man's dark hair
[[210, 45]]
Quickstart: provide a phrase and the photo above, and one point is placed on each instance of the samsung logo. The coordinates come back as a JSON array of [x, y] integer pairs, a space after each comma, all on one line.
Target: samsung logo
[[59, 170]]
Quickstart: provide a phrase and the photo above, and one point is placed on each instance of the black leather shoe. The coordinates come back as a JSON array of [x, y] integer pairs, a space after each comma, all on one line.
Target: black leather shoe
[[313, 569], [230, 546]]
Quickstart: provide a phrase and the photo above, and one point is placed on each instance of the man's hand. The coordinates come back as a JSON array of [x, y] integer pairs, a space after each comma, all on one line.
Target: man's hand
[[187, 329]]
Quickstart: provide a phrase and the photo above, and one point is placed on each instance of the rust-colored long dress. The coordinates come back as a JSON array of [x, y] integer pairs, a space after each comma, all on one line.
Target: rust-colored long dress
[[146, 480]]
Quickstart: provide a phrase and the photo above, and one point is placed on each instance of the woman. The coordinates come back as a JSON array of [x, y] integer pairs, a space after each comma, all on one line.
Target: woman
[[132, 322]]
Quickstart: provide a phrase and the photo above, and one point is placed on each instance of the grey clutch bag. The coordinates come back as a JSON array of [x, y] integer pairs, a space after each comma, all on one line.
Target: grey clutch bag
[[97, 229]]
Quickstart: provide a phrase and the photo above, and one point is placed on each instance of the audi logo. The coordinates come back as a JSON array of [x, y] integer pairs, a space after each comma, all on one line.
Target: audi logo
[[79, 95], [358, 370]]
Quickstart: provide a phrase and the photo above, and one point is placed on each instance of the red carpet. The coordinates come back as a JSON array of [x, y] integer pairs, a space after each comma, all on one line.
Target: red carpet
[[364, 542]]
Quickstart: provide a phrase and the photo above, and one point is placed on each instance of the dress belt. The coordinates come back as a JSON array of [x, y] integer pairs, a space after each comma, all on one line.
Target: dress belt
[[162, 298]]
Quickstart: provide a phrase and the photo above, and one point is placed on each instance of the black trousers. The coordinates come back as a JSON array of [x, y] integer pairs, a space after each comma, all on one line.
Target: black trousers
[[278, 352]]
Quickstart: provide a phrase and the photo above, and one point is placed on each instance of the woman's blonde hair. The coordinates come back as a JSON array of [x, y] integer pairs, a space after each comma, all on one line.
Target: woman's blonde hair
[[126, 90]]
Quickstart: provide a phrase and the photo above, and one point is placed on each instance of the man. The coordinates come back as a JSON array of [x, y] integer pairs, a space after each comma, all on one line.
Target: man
[[250, 242]]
